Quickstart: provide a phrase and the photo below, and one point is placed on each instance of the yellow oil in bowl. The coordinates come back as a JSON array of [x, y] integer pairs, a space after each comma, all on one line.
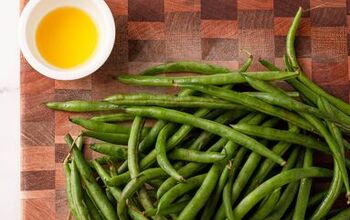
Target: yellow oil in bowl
[[66, 37]]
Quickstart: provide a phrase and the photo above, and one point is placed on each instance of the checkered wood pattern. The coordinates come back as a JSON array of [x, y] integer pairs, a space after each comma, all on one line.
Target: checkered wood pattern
[[155, 31]]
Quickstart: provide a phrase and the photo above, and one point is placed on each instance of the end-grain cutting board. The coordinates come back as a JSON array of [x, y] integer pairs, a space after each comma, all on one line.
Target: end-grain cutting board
[[155, 31]]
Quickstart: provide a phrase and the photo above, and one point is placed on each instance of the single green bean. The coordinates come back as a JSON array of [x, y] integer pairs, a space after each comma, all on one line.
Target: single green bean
[[80, 142], [226, 198], [196, 156], [117, 117], [275, 182], [133, 144], [112, 150], [184, 66], [77, 193], [107, 137], [253, 103], [93, 188], [304, 190], [214, 127], [162, 158], [103, 127], [282, 135], [217, 79], [180, 189], [290, 50], [82, 106], [170, 101]]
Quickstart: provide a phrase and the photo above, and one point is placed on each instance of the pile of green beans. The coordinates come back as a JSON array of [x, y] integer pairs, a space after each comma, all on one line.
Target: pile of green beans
[[215, 151]]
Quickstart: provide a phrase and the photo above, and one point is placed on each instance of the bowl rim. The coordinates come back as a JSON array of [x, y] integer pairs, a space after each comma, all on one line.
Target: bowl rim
[[86, 69]]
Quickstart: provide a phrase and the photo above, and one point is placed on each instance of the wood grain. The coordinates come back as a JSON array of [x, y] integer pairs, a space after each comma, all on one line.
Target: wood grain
[[149, 32]]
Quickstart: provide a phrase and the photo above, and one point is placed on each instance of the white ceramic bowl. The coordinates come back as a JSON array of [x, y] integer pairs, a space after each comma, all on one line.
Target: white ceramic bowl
[[33, 13]]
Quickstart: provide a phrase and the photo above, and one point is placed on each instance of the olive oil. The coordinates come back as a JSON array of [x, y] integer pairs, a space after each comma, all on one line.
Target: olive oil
[[66, 37]]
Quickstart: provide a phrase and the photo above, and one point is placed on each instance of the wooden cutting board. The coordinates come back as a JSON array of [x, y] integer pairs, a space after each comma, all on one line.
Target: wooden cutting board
[[155, 31]]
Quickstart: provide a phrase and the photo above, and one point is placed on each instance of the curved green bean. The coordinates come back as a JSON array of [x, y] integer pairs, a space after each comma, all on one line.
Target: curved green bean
[[67, 172], [162, 158], [133, 145], [134, 185], [217, 79], [196, 156], [226, 199], [214, 127], [100, 126], [82, 106], [275, 182], [180, 189], [253, 103], [281, 135]]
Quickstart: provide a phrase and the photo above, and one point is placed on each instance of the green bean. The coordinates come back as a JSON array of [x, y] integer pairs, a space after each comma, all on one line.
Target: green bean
[[343, 215], [170, 101], [275, 182], [174, 208], [284, 202], [151, 137], [117, 117], [226, 198], [333, 145], [133, 144], [77, 193], [87, 177], [205, 136], [218, 192], [180, 189], [107, 137], [304, 190], [192, 168], [102, 127], [268, 95], [290, 104], [147, 203], [268, 65], [267, 205], [214, 127], [82, 106], [134, 185], [116, 193], [253, 103], [80, 142], [94, 212], [208, 185], [281, 135], [340, 104], [196, 156], [67, 171], [162, 158], [217, 79], [184, 66], [336, 184], [112, 150]]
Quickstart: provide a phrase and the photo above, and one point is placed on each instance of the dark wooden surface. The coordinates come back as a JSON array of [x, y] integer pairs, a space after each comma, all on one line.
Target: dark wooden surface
[[155, 31]]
